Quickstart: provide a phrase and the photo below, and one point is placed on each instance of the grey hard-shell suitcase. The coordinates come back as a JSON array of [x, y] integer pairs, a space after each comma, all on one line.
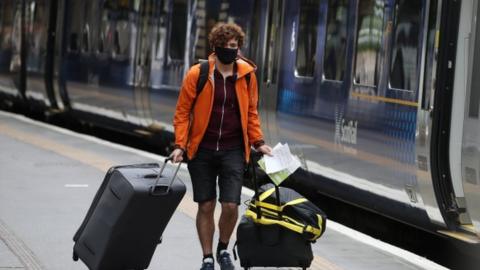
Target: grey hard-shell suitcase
[[127, 217]]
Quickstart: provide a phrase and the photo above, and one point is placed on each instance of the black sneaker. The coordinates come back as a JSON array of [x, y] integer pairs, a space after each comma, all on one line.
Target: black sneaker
[[208, 264], [223, 258]]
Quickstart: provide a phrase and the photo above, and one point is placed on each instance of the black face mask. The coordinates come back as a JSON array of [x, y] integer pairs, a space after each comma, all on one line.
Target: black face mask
[[226, 55]]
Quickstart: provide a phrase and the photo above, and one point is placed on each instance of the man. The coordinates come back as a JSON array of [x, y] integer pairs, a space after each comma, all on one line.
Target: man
[[216, 131]]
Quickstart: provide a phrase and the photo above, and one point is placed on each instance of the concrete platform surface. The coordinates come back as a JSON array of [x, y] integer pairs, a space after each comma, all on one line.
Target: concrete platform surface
[[48, 177]]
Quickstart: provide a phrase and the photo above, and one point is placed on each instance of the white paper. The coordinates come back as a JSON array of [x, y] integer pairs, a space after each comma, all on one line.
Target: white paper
[[282, 159], [294, 165]]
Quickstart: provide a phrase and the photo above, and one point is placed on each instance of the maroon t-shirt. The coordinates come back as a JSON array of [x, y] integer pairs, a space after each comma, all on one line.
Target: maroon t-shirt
[[224, 131]]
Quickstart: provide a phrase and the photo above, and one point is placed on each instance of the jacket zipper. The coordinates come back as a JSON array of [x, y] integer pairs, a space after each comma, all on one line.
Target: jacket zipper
[[223, 111]]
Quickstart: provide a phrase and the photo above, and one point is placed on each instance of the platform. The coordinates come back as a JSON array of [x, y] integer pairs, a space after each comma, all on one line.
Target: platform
[[49, 175]]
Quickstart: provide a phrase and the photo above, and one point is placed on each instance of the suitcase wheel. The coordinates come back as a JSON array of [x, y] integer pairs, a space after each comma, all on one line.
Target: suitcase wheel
[[75, 256]]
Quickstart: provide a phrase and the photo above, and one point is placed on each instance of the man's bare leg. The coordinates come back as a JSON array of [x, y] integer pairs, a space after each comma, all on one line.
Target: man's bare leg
[[228, 220], [206, 225]]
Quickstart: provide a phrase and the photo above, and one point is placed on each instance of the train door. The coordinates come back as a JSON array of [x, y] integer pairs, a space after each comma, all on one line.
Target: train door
[[39, 45], [269, 66], [11, 18], [448, 122], [465, 123]]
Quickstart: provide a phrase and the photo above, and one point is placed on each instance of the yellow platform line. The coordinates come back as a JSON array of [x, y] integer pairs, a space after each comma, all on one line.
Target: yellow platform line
[[385, 99]]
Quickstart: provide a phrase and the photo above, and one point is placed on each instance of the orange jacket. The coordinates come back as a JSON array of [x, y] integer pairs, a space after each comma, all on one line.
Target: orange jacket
[[247, 98]]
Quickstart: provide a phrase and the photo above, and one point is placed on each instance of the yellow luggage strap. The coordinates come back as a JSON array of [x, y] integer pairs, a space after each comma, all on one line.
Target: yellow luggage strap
[[266, 194], [294, 227], [275, 207]]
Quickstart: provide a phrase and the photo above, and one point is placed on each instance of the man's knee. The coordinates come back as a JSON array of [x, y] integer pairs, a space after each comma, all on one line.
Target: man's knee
[[206, 208], [229, 208]]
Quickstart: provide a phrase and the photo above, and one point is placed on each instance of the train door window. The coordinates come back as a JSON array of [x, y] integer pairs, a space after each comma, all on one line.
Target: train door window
[[307, 38], [369, 40], [336, 40], [406, 44], [178, 29]]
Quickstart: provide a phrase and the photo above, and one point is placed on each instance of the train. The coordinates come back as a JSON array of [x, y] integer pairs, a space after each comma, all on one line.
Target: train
[[377, 98]]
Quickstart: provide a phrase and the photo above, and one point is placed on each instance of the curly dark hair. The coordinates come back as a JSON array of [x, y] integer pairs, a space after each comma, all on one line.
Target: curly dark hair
[[222, 32]]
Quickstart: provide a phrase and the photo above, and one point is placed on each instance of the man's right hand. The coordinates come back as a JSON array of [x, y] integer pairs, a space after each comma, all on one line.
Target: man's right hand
[[177, 155]]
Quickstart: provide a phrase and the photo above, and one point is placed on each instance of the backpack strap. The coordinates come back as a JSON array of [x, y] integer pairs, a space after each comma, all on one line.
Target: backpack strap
[[203, 77], [201, 81]]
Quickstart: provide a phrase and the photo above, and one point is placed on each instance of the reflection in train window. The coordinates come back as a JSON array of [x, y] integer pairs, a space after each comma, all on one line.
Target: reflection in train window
[[121, 38], [336, 40], [104, 40], [114, 32], [161, 30], [212, 12], [307, 38], [178, 29], [369, 41], [205, 18], [77, 17], [474, 99], [6, 24], [406, 42], [36, 20]]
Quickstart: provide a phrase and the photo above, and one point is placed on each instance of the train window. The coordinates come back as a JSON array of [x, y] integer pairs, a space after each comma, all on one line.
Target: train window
[[369, 41], [307, 38], [336, 40], [406, 43], [178, 29]]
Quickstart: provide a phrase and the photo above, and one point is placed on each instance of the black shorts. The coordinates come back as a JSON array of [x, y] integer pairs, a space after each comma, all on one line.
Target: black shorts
[[204, 168]]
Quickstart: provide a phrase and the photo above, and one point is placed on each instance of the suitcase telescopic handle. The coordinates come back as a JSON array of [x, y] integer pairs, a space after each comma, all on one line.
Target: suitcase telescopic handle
[[153, 190], [257, 192]]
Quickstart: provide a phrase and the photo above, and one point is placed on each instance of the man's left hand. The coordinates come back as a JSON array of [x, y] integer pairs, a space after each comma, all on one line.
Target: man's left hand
[[265, 149]]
